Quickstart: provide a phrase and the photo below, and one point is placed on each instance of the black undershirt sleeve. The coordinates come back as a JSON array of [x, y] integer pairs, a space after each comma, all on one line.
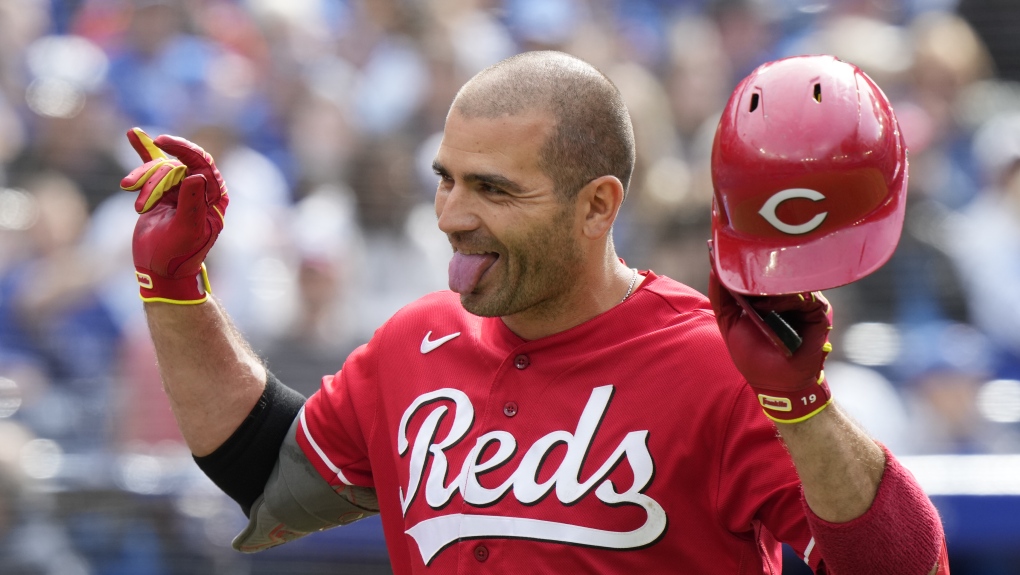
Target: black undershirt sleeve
[[241, 466]]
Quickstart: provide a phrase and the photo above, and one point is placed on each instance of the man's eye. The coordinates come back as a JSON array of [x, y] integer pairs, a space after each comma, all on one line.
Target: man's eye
[[489, 189]]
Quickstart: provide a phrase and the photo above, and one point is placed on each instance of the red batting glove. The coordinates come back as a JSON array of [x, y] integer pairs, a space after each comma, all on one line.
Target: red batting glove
[[181, 206], [790, 388]]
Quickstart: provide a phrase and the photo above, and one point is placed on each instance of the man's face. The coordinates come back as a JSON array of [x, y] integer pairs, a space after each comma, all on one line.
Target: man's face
[[515, 241]]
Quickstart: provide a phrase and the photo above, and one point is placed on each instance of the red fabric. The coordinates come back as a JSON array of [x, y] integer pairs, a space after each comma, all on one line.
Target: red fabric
[[152, 285], [789, 387], [173, 236], [477, 446], [901, 532], [651, 382]]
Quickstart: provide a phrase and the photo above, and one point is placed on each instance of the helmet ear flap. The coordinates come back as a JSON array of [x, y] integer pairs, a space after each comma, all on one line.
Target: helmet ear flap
[[811, 195]]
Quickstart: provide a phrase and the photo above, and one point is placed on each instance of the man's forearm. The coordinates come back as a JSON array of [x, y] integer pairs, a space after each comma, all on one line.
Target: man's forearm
[[211, 376], [839, 466], [860, 498]]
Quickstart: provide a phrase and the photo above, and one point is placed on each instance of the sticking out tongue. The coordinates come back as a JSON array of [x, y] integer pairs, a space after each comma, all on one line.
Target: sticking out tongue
[[467, 269]]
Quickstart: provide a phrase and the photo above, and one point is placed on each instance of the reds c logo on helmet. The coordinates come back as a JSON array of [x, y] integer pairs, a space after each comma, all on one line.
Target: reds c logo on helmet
[[768, 211], [810, 175]]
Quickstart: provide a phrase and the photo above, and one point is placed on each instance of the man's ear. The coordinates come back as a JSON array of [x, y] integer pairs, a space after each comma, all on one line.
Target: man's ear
[[599, 203]]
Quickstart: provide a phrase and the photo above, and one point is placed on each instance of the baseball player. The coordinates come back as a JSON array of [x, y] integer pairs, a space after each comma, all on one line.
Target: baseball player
[[556, 411]]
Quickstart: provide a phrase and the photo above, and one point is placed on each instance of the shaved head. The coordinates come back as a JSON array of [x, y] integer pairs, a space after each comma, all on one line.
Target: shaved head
[[593, 135]]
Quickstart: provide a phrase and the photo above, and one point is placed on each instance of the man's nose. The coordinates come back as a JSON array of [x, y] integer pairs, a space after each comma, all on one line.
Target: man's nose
[[456, 209]]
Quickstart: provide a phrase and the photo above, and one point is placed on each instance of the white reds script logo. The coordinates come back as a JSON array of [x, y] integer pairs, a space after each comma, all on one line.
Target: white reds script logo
[[432, 535], [768, 211]]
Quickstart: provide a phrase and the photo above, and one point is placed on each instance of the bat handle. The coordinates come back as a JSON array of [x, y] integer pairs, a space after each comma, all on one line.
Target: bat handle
[[780, 333]]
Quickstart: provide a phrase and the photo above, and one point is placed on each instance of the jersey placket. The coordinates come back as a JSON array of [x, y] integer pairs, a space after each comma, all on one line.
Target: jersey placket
[[505, 410]]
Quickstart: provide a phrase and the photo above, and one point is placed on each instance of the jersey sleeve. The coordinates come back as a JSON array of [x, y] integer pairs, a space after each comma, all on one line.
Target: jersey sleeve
[[759, 491], [336, 422], [901, 530]]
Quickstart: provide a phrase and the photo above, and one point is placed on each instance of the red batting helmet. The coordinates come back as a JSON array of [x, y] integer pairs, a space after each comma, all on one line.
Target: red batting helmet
[[810, 175]]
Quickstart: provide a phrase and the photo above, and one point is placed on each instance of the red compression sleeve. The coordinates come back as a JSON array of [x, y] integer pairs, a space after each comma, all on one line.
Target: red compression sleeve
[[900, 534]]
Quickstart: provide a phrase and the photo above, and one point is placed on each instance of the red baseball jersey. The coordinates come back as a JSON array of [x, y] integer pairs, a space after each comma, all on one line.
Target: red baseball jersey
[[627, 444]]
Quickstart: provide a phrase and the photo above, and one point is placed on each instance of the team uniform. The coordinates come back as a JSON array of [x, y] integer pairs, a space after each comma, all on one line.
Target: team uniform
[[629, 443]]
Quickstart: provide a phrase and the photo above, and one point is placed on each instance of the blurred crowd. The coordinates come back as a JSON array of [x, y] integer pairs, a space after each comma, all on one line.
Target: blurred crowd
[[324, 116]]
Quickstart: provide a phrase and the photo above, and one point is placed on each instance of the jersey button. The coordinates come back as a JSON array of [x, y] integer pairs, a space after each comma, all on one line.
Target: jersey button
[[481, 553], [510, 409], [521, 361]]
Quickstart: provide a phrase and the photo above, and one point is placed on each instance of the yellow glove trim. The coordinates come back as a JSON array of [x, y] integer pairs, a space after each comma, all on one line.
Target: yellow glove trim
[[802, 418], [154, 152], [821, 297], [827, 348], [174, 301], [171, 179], [144, 177], [205, 284], [205, 280]]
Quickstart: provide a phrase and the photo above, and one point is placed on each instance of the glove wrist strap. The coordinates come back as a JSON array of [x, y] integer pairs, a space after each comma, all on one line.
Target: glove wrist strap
[[180, 291], [785, 406]]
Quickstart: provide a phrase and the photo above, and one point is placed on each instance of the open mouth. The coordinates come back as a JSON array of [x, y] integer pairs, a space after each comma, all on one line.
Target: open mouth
[[466, 270]]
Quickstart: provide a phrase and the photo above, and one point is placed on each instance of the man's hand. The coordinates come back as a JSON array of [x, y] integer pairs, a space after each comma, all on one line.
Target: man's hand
[[790, 388], [181, 206]]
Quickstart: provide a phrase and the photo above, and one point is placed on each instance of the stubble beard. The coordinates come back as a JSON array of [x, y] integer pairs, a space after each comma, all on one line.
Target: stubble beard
[[535, 269]]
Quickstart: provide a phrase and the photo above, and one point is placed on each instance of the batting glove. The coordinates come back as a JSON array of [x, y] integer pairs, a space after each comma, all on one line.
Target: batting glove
[[181, 204], [790, 385]]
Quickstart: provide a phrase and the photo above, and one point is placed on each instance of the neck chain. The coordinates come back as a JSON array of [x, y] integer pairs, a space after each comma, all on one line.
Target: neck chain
[[630, 288]]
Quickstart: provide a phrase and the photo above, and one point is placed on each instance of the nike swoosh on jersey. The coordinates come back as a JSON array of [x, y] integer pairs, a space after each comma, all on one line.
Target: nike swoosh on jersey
[[427, 346]]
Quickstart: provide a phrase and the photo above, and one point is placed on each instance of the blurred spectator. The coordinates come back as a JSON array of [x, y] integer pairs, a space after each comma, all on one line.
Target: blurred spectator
[[394, 264], [544, 24], [71, 122], [31, 542], [700, 75], [985, 240], [997, 21], [321, 135], [315, 345], [937, 131], [919, 285], [51, 318], [392, 78], [12, 135], [322, 332], [247, 269], [324, 117], [747, 30], [874, 403], [21, 22], [947, 418], [158, 71], [475, 36]]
